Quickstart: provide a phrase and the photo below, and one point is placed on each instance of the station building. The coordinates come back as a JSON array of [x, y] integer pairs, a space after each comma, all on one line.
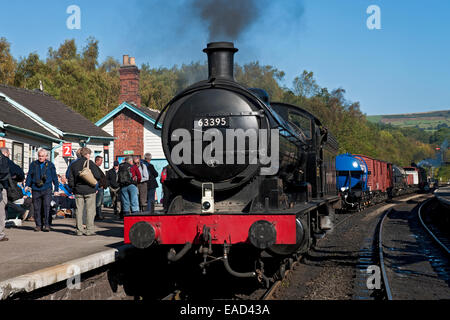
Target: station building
[[132, 124], [32, 119]]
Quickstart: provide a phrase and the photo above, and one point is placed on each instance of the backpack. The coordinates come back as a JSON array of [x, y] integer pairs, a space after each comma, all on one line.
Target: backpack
[[4, 171], [14, 192], [144, 172], [125, 176]]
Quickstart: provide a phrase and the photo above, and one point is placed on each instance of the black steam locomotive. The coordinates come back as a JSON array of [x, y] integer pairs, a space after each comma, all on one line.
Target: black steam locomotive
[[244, 172]]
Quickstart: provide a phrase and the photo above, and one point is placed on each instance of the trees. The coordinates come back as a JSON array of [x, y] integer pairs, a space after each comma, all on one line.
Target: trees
[[92, 89], [7, 63], [305, 85], [90, 54], [253, 75], [28, 69]]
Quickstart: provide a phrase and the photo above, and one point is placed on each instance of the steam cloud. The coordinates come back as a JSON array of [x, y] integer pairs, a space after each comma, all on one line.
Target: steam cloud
[[227, 19]]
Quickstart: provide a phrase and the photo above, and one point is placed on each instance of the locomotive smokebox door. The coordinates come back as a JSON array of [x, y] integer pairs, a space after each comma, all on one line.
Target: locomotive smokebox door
[[207, 198]]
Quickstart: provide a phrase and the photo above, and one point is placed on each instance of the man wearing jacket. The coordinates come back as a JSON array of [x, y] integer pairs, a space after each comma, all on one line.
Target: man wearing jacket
[[142, 185], [114, 188], [85, 194], [102, 185], [152, 184], [41, 176]]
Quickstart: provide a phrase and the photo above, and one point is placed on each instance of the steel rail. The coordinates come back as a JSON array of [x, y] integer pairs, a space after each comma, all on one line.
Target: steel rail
[[381, 255], [442, 245]]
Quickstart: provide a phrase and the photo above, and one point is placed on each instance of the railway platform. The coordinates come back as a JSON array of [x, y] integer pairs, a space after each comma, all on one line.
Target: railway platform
[[33, 260], [443, 195]]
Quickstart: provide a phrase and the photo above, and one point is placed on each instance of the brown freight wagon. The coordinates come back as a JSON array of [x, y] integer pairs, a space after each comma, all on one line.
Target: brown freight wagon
[[379, 177]]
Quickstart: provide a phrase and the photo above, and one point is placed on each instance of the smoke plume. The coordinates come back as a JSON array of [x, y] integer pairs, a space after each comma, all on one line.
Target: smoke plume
[[227, 19]]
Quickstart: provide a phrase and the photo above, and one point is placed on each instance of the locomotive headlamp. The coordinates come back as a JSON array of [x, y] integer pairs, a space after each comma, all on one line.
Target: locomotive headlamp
[[208, 198], [206, 205], [262, 234]]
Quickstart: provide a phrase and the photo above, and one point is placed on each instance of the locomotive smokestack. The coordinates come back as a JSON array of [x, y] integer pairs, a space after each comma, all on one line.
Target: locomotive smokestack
[[221, 60]]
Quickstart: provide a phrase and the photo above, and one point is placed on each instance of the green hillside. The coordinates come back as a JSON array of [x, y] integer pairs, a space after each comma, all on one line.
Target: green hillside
[[428, 121]]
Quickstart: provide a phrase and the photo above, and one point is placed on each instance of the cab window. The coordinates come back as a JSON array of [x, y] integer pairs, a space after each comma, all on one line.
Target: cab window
[[301, 122]]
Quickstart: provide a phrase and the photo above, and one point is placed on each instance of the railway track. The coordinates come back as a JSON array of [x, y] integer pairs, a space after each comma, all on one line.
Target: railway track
[[442, 241], [270, 293], [385, 280], [407, 256], [386, 289]]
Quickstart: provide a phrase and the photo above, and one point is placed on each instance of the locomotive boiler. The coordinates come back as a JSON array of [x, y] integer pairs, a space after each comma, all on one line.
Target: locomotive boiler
[[244, 171]]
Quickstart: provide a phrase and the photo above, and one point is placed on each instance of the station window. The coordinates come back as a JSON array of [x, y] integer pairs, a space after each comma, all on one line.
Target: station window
[[17, 153]]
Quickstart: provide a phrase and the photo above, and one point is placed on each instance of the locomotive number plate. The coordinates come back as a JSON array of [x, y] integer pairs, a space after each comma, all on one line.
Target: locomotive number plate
[[213, 122]]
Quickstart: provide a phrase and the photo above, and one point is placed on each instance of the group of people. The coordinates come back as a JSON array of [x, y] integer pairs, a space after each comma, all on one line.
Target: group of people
[[133, 183]]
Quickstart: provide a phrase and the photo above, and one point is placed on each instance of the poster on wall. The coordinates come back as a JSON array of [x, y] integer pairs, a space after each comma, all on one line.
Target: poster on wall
[[106, 156], [17, 153]]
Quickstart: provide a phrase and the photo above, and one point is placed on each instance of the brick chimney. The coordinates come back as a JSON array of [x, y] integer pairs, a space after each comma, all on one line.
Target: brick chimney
[[129, 81]]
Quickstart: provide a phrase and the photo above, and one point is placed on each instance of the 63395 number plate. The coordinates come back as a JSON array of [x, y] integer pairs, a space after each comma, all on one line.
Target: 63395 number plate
[[212, 122]]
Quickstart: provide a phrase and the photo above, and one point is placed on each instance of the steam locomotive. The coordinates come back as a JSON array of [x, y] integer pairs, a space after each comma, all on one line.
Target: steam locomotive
[[244, 172]]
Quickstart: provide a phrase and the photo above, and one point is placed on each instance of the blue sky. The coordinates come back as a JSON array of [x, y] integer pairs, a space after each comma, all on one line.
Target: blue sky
[[404, 67]]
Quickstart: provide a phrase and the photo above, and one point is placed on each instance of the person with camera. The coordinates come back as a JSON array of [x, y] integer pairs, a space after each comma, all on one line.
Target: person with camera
[[114, 187], [152, 184], [102, 185], [41, 176], [84, 176]]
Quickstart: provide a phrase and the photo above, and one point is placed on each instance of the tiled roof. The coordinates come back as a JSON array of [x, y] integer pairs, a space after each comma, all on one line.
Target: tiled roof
[[10, 115], [53, 111], [152, 113]]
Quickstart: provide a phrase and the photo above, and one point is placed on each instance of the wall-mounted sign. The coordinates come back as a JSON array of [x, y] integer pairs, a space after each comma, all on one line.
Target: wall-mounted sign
[[67, 150], [128, 152], [106, 157], [2, 143]]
